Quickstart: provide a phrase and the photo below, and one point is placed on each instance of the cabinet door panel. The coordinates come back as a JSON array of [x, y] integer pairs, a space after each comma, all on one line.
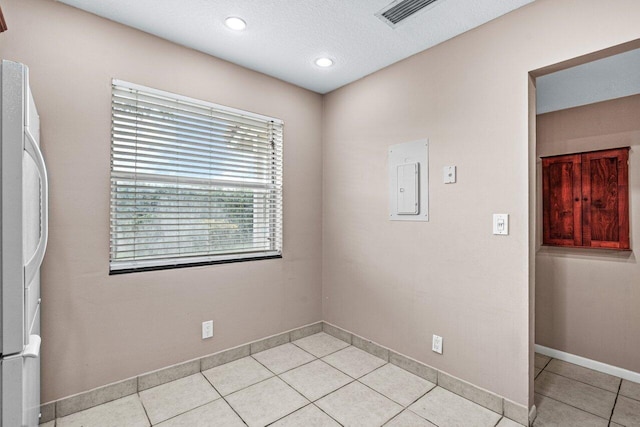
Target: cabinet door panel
[[561, 180], [604, 205]]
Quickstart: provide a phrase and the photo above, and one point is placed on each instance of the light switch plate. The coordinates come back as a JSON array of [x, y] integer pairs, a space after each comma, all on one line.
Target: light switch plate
[[501, 224], [449, 174]]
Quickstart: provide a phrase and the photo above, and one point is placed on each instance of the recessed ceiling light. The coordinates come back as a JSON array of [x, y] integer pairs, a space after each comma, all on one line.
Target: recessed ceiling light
[[235, 23], [324, 62]]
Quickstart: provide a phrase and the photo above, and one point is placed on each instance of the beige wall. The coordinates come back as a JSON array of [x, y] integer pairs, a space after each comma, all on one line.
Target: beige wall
[[587, 300], [96, 328], [398, 283]]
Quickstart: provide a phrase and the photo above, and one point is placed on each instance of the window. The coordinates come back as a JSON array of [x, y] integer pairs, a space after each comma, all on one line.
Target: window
[[586, 200], [191, 182]]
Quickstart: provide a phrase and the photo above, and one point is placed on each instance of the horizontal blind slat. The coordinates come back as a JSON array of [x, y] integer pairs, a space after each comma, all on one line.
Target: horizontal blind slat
[[166, 104], [191, 180]]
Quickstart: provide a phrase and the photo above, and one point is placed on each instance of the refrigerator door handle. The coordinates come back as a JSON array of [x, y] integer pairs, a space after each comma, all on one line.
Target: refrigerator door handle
[[31, 267], [33, 349]]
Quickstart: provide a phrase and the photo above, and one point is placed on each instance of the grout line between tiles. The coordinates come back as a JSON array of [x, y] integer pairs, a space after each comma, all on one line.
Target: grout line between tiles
[[283, 372], [385, 396], [423, 395], [394, 417], [571, 378], [574, 407], [324, 395], [536, 376], [581, 382], [288, 385], [225, 400], [615, 402], [547, 364], [144, 408], [328, 354], [258, 382], [500, 419], [181, 413], [328, 415]]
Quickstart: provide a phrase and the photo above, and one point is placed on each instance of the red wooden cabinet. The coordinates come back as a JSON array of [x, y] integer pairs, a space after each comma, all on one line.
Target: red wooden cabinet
[[585, 199]]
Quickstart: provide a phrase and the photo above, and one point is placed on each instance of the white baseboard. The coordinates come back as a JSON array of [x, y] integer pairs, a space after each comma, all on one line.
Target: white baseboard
[[588, 363]]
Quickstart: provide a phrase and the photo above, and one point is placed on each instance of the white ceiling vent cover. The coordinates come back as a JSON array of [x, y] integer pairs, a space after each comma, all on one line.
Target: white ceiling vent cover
[[400, 10]]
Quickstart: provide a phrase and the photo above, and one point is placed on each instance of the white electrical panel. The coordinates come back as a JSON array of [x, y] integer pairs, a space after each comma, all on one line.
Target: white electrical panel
[[409, 181], [407, 190]]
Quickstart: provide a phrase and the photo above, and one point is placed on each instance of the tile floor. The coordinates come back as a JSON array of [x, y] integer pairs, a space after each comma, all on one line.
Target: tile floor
[[570, 395], [315, 381]]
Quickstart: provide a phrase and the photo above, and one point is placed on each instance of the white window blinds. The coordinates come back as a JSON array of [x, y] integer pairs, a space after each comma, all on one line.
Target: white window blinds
[[191, 182]]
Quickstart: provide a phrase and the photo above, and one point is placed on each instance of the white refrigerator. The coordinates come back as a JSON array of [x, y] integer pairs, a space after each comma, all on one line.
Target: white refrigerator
[[23, 239]]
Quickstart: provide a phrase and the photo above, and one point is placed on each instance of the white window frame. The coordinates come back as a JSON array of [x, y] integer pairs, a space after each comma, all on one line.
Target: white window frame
[[131, 155]]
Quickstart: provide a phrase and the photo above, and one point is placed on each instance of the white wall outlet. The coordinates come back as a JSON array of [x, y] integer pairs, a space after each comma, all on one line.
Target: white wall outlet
[[437, 344], [207, 329], [501, 224]]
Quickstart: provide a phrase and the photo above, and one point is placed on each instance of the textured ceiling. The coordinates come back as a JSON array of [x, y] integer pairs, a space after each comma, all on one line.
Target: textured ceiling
[[284, 37]]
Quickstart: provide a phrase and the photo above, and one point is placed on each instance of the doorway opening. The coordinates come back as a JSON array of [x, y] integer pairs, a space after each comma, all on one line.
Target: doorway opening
[[584, 323]]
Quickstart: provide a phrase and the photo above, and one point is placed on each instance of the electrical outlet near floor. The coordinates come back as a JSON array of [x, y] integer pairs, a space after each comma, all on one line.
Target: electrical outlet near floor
[[207, 329], [437, 344]]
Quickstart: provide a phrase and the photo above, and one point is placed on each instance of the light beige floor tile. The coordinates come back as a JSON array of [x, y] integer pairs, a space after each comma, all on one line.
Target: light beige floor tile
[[358, 405], [215, 414], [630, 389], [320, 344], [236, 375], [444, 408], [615, 425], [585, 375], [627, 412], [541, 360], [49, 424], [316, 379], [309, 416], [408, 419], [127, 411], [537, 371], [397, 384], [552, 413], [353, 361], [266, 402], [283, 358], [580, 395], [506, 422], [177, 397]]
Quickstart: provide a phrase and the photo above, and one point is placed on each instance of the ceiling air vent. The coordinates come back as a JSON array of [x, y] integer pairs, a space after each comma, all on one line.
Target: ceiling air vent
[[398, 11]]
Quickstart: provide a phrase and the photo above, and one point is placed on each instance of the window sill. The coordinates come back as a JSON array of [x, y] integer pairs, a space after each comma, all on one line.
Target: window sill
[[193, 264]]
